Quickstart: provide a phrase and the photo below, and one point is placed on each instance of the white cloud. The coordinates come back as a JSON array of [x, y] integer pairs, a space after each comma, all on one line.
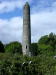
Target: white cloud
[[43, 20], [11, 29], [41, 24], [44, 5], [8, 6]]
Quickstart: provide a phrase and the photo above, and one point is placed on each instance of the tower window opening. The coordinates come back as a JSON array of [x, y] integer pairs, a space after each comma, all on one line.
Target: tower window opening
[[26, 46]]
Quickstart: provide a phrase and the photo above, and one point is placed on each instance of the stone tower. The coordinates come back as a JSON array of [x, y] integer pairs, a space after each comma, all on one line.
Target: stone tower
[[26, 30]]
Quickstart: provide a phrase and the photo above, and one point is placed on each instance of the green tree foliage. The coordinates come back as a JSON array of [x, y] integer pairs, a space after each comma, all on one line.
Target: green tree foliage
[[1, 47], [45, 49], [43, 40], [47, 44], [34, 49], [14, 47], [51, 39]]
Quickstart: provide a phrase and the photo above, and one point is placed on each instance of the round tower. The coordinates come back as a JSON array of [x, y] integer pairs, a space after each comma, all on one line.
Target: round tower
[[26, 30]]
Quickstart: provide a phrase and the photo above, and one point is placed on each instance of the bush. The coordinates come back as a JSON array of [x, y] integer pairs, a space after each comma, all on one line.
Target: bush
[[20, 65]]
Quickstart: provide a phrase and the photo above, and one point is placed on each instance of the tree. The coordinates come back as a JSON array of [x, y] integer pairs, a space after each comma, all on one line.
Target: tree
[[51, 36], [45, 49], [1, 47], [51, 39], [34, 49], [14, 47], [47, 44], [43, 40]]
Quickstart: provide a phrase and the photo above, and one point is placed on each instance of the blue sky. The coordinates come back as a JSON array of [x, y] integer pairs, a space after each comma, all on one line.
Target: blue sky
[[43, 19]]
